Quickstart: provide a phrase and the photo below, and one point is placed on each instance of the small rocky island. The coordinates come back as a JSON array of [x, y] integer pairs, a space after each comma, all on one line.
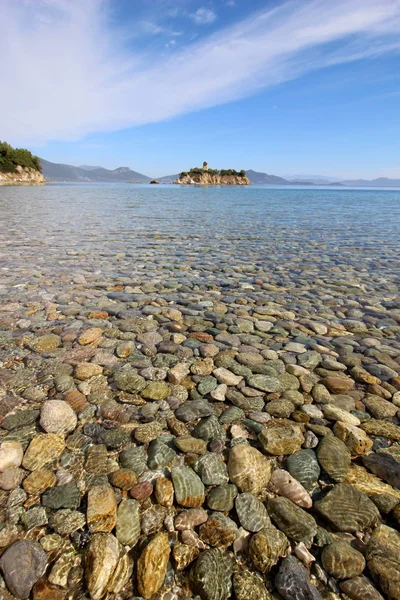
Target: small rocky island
[[206, 176], [18, 166]]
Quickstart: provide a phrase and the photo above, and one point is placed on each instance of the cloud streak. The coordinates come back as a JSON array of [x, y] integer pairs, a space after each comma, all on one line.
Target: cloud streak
[[66, 73]]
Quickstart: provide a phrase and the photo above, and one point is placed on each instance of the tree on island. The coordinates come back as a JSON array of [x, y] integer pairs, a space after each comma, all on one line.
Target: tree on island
[[11, 158]]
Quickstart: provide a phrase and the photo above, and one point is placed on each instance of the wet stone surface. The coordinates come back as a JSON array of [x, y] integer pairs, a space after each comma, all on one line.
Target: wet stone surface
[[199, 394]]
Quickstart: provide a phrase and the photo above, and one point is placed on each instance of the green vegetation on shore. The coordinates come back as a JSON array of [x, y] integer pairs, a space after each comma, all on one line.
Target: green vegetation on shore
[[200, 171], [11, 157]]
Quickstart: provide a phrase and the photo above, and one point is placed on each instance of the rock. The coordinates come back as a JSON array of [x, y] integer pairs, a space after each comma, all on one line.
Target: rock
[[57, 416], [45, 343], [11, 479], [189, 444], [342, 561], [148, 432], [334, 457], [184, 555], [267, 547], [292, 520], [152, 565], [249, 586], [251, 513], [23, 563], [347, 508], [90, 336], [211, 469], [134, 459], [355, 438], [222, 497], [66, 522], [124, 479], [379, 408], [304, 467], [62, 496], [101, 512], [383, 559], [359, 588], [386, 429], [292, 581], [248, 469], [160, 455], [44, 449], [208, 429], [39, 481], [284, 485], [218, 531], [265, 383], [369, 484], [334, 413], [281, 437], [85, 371], [338, 384], [128, 523], [107, 566], [385, 466], [156, 390], [227, 377], [128, 380], [11, 454], [211, 576], [142, 490], [188, 487], [188, 519]]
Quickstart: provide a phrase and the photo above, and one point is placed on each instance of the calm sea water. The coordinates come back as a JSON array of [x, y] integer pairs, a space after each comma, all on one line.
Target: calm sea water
[[309, 232]]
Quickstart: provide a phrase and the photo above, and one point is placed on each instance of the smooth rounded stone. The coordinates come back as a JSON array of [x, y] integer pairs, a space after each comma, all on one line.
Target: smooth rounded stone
[[251, 513], [39, 481], [383, 560], [101, 511], [188, 487], [45, 343], [128, 522], [355, 438], [312, 411], [20, 419], [292, 581], [266, 547], [211, 469], [348, 509], [342, 561], [135, 459], [281, 437], [124, 479], [334, 457], [231, 414], [207, 385], [303, 466], [44, 449], [334, 413], [280, 408], [90, 336], [57, 416], [385, 466], [11, 479], [164, 491], [208, 429], [35, 517], [188, 519], [227, 377], [160, 455], [193, 410], [86, 370], [338, 384], [283, 484], [360, 588], [189, 444], [295, 522], [148, 432], [211, 576], [142, 490], [108, 567], [218, 531], [249, 586], [128, 380], [222, 497], [62, 496], [379, 408], [248, 469], [152, 565], [66, 521], [385, 429], [11, 454], [218, 393], [184, 555], [156, 390], [265, 383], [23, 563], [246, 403]]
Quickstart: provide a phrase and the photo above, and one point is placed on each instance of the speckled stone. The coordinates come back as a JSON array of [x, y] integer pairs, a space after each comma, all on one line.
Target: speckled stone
[[281, 437], [219, 531], [44, 449], [101, 512], [57, 416], [108, 567], [266, 547]]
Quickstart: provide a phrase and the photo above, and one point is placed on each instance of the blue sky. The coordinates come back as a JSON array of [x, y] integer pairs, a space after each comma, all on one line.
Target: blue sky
[[284, 87]]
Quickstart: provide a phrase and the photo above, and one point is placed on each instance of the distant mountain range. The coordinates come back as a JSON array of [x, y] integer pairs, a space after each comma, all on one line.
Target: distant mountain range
[[87, 173]]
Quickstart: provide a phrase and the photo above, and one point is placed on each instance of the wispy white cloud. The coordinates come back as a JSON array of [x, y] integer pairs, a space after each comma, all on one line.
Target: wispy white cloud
[[66, 73], [204, 16]]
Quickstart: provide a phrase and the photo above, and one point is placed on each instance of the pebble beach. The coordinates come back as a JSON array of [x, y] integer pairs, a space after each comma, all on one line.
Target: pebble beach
[[199, 393]]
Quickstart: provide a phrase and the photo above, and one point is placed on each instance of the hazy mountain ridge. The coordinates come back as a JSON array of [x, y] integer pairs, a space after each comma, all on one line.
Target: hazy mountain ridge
[[59, 172]]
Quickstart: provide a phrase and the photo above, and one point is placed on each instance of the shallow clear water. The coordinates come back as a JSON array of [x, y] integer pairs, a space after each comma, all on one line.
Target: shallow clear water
[[288, 233]]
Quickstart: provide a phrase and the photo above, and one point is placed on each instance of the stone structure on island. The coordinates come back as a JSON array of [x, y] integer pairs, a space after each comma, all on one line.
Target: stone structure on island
[[207, 176]]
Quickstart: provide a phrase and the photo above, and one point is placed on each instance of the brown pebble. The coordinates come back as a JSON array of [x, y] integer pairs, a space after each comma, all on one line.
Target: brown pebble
[[142, 490]]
